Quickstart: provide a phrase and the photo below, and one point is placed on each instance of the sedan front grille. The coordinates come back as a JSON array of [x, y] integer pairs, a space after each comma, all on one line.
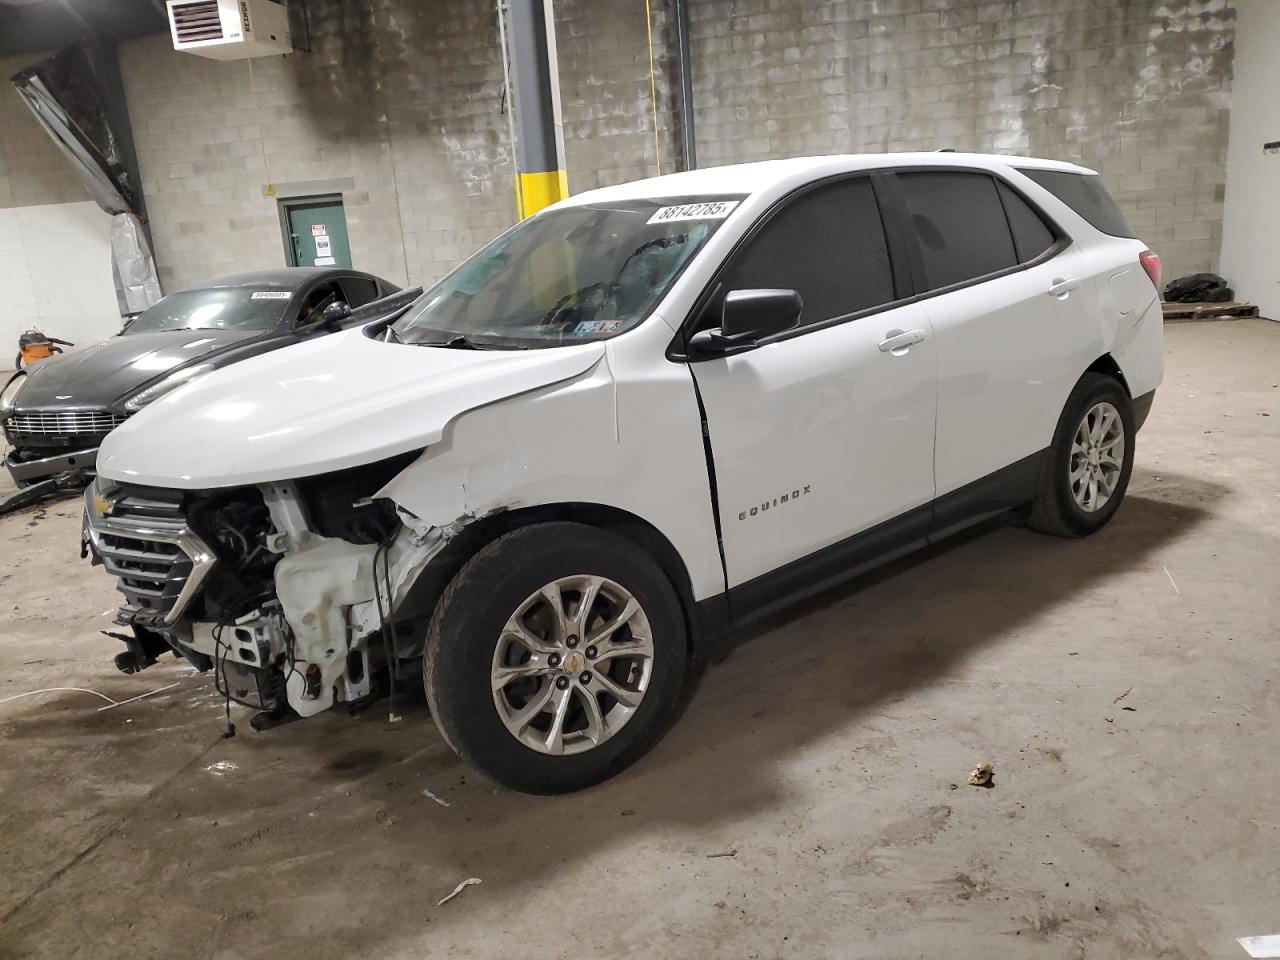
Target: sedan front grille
[[143, 540], [62, 423]]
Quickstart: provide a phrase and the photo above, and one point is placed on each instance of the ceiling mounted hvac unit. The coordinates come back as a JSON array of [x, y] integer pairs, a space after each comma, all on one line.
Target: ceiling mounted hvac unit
[[229, 29]]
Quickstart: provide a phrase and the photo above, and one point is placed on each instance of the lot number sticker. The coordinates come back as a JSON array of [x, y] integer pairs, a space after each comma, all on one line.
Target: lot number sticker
[[713, 210], [270, 295]]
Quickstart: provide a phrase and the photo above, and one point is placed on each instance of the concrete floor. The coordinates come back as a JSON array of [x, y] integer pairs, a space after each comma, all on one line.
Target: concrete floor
[[1125, 688]]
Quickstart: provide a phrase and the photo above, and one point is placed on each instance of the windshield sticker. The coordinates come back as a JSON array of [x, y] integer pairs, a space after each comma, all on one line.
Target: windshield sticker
[[586, 328], [270, 295], [713, 210]]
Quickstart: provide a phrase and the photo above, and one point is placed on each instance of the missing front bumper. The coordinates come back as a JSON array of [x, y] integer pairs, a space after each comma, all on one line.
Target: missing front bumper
[[32, 471]]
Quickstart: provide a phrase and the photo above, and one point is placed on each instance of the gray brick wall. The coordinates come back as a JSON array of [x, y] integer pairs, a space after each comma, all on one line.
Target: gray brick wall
[[605, 91], [399, 105], [1137, 89]]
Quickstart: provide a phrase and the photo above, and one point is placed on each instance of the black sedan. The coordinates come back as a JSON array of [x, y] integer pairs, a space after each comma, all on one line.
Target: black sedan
[[56, 414]]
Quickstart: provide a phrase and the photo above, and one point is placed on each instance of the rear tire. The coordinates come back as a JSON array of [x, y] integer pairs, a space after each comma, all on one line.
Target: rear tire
[[513, 662], [1081, 486]]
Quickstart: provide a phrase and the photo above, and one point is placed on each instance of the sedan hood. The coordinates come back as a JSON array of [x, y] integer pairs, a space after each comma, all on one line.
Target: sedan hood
[[336, 402], [96, 376]]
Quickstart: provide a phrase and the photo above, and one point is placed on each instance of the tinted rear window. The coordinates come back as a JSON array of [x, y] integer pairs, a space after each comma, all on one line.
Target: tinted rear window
[[1085, 194], [960, 224]]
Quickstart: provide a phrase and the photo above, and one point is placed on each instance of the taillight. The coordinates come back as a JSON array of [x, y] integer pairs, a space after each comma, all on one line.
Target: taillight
[[1150, 261]]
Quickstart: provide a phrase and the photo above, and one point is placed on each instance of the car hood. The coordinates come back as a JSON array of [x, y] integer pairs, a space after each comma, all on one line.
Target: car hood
[[336, 402], [95, 376]]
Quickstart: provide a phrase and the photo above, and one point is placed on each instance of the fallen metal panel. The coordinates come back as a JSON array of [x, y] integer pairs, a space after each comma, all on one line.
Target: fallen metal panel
[[64, 94]]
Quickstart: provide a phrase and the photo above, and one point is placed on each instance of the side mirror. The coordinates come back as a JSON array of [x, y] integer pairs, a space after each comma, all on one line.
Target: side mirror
[[335, 313], [749, 316]]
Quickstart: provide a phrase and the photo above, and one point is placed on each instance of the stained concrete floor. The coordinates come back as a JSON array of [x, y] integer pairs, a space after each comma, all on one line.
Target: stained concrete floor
[[1125, 688]]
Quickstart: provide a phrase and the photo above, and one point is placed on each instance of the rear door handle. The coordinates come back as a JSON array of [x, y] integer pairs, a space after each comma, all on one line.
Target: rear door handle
[[898, 342], [1062, 286]]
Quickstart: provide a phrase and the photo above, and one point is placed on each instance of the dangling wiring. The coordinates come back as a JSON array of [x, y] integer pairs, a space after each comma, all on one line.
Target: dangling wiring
[[220, 670], [222, 649], [388, 625], [653, 87], [262, 140]]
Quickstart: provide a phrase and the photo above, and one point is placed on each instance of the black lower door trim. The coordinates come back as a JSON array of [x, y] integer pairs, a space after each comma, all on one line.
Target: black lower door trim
[[829, 566], [1010, 487]]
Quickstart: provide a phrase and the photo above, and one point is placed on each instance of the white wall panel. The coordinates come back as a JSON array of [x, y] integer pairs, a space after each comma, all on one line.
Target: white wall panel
[[55, 273], [1252, 214]]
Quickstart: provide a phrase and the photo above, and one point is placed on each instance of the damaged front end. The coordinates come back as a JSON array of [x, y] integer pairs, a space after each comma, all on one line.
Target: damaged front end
[[292, 592]]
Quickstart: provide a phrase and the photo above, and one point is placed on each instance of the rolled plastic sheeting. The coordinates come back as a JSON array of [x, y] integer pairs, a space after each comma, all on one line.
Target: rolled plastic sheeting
[[132, 266]]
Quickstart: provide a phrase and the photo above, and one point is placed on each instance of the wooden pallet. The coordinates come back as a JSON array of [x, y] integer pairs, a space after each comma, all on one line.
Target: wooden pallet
[[1208, 311]]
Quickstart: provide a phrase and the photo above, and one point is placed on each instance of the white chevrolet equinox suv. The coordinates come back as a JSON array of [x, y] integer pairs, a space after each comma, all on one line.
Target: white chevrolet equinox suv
[[632, 423]]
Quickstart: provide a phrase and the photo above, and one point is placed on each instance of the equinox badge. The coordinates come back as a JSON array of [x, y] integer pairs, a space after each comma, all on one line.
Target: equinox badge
[[775, 502]]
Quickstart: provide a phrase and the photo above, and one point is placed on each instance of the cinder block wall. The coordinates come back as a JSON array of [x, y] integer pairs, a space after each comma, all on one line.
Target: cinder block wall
[[1136, 89], [399, 107]]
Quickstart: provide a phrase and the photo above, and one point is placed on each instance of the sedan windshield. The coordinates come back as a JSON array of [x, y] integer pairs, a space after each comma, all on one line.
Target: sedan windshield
[[222, 308], [565, 276]]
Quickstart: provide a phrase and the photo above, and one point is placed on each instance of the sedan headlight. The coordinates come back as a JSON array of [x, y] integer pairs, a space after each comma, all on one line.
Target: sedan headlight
[[171, 382], [10, 392]]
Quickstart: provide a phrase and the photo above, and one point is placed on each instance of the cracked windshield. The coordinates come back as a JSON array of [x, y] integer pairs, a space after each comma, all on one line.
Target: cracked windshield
[[566, 276]]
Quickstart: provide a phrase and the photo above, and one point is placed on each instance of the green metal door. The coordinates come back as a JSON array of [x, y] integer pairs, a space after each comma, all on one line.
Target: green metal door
[[315, 232]]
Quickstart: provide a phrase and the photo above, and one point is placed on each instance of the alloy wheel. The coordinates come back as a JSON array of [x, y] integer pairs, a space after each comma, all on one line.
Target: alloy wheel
[[572, 664], [1097, 457]]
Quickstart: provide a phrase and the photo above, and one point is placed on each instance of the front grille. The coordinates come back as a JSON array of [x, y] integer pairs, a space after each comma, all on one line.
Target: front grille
[[62, 423], [142, 539], [196, 21]]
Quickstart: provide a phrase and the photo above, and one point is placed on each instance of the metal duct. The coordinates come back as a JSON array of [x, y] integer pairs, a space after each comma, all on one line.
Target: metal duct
[[63, 93]]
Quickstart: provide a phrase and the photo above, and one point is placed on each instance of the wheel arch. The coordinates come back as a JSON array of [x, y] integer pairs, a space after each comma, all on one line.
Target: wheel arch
[[1107, 365], [426, 591]]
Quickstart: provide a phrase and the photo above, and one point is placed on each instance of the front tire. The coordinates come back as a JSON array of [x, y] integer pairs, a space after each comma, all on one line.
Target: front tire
[[1086, 470], [556, 657]]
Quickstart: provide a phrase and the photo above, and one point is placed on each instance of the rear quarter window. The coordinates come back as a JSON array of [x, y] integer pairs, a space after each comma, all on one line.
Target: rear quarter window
[[1031, 235], [1085, 194]]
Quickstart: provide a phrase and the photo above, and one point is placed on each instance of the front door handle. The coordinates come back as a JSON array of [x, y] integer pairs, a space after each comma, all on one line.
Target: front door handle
[[898, 342], [1062, 286]]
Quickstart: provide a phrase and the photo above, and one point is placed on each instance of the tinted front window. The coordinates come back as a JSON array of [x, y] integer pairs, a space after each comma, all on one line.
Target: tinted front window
[[1031, 236], [223, 308], [359, 291], [566, 276], [311, 310], [829, 246], [1085, 194], [960, 225]]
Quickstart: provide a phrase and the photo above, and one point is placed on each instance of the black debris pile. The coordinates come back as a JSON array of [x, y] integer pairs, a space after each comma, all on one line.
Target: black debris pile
[[1198, 288]]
